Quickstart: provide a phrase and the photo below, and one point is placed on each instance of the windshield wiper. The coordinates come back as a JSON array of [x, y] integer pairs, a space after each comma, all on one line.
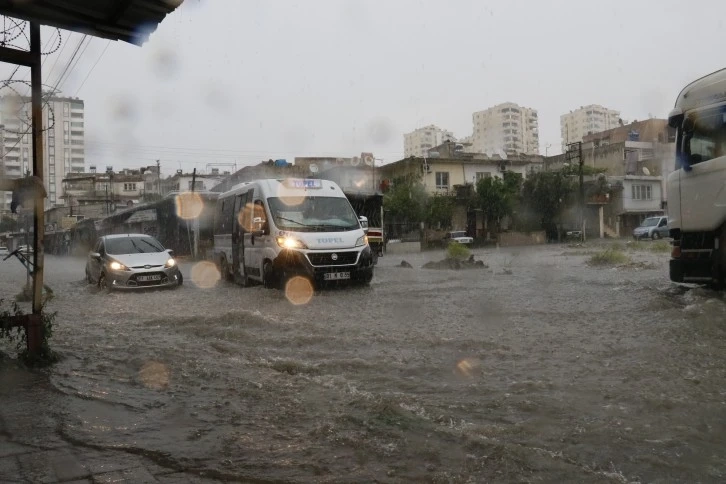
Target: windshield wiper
[[138, 249], [152, 245], [293, 221]]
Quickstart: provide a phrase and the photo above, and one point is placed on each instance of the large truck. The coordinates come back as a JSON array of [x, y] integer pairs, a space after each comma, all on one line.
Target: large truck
[[697, 187]]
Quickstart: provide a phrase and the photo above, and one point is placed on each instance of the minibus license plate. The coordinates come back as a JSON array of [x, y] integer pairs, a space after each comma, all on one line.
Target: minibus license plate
[[148, 278], [337, 276]]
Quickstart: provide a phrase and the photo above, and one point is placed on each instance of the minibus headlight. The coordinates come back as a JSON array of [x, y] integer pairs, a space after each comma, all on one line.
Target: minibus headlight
[[170, 263], [362, 241], [290, 243]]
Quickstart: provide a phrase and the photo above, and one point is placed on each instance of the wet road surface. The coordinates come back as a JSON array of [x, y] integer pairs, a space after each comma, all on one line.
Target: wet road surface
[[538, 369]]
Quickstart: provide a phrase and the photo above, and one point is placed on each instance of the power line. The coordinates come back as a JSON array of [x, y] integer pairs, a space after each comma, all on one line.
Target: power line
[[92, 67], [60, 54], [68, 66]]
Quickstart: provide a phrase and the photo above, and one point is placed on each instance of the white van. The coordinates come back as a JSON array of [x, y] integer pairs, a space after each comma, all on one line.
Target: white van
[[270, 230]]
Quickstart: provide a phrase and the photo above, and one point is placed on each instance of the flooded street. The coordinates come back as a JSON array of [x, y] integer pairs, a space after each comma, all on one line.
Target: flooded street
[[540, 368]]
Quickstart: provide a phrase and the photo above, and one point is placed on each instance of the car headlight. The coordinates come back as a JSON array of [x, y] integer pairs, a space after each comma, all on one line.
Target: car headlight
[[170, 263], [117, 266], [290, 243], [362, 241]]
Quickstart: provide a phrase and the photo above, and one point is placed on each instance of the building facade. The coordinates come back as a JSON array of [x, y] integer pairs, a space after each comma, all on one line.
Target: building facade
[[508, 128], [651, 131], [419, 141], [577, 124], [63, 142]]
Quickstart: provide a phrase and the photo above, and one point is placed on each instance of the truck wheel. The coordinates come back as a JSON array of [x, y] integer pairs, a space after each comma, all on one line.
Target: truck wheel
[[656, 235]]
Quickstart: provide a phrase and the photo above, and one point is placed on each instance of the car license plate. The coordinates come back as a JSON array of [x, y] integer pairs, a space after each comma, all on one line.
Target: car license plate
[[148, 278], [337, 276]]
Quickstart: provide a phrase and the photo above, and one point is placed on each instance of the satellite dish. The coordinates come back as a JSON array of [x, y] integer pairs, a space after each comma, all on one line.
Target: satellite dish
[[488, 154], [368, 160], [502, 154], [646, 171], [355, 161], [313, 168]]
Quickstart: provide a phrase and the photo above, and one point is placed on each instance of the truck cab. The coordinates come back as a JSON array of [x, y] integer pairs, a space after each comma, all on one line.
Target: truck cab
[[697, 188]]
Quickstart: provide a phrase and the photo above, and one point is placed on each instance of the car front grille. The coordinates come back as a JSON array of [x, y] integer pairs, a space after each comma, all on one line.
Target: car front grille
[[332, 258]]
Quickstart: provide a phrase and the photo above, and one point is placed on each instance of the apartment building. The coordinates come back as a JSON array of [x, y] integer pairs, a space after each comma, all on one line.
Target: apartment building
[[63, 142], [577, 124], [508, 128], [419, 141]]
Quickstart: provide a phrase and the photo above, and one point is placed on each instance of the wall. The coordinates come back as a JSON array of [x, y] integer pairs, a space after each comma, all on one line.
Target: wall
[[509, 239], [456, 176], [631, 205]]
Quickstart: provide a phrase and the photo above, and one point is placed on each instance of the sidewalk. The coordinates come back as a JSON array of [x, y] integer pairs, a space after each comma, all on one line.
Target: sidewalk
[[33, 448]]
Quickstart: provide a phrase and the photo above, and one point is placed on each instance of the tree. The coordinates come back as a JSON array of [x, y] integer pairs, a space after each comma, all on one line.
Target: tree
[[8, 224], [406, 200], [497, 197], [440, 211], [547, 194]]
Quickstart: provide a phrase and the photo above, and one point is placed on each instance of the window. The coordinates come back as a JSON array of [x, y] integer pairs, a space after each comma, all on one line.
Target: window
[[75, 124], [483, 174], [642, 192], [25, 155], [129, 187], [198, 185], [51, 142], [75, 142], [442, 179], [66, 109], [51, 160], [51, 133], [51, 170]]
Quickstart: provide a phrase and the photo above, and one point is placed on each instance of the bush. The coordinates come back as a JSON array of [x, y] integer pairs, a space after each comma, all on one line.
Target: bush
[[609, 257], [457, 251]]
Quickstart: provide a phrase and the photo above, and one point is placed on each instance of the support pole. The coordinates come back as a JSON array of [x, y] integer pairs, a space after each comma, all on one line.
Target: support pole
[[34, 330], [582, 191]]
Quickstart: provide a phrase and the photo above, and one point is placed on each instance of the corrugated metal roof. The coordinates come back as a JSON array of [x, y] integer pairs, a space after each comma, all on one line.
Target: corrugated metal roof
[[131, 21]]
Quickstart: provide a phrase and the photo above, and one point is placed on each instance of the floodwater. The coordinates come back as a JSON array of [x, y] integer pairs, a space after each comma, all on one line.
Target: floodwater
[[540, 368]]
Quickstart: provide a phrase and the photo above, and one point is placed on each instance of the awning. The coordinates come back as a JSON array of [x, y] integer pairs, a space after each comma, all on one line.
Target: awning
[[131, 21]]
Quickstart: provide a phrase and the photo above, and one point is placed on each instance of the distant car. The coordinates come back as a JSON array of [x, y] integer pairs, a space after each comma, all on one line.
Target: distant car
[[4, 251], [652, 228], [131, 261], [458, 236], [25, 249]]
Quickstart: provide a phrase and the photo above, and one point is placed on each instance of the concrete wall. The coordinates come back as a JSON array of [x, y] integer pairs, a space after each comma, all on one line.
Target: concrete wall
[[402, 247], [509, 239]]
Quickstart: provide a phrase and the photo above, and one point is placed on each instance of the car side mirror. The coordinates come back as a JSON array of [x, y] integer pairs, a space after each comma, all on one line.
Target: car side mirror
[[171, 252], [95, 255]]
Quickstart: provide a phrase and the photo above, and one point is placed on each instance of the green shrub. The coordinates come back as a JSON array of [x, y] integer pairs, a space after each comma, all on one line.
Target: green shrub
[[457, 251], [609, 257]]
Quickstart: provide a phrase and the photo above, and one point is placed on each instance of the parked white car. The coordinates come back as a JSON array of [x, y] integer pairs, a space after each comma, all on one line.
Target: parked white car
[[458, 236], [4, 251]]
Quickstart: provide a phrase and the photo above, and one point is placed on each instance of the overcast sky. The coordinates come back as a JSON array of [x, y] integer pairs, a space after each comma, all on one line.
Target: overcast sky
[[229, 81]]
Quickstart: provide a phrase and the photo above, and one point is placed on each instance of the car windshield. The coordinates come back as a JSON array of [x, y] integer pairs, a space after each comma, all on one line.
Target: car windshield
[[650, 222], [457, 234], [313, 214], [132, 245]]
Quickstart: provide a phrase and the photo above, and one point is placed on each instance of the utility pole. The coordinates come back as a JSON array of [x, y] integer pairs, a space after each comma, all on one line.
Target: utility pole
[[574, 150], [196, 219], [158, 177]]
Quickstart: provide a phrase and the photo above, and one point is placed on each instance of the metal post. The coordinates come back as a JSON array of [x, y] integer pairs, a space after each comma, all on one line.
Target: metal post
[[196, 219], [34, 330], [582, 191]]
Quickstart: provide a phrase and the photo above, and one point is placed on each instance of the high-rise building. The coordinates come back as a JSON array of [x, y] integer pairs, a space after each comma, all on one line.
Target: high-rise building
[[506, 127], [419, 141], [575, 125], [63, 142]]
